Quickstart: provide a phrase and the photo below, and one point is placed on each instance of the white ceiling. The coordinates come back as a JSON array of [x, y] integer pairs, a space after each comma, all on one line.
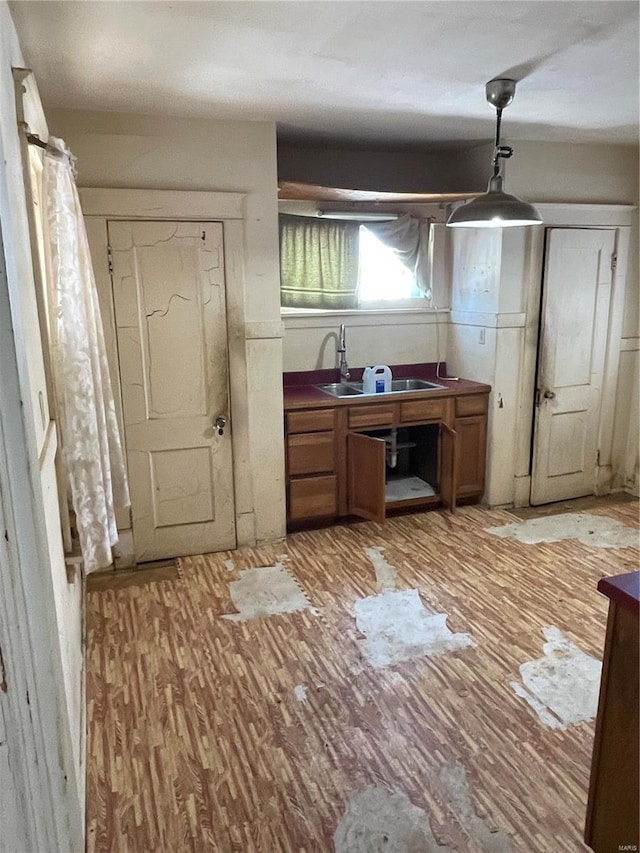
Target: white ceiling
[[367, 72]]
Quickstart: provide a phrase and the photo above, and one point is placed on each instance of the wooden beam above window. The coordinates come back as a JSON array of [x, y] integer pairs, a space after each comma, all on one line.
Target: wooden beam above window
[[292, 190]]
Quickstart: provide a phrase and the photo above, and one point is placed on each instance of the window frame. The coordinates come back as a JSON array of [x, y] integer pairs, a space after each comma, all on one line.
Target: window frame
[[380, 306]]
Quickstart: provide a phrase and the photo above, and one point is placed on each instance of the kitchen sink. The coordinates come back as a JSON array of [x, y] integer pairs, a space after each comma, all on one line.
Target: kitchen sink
[[353, 389], [341, 389], [399, 385], [414, 385]]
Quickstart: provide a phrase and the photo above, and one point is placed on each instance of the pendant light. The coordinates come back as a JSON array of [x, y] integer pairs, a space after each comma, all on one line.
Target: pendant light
[[496, 209]]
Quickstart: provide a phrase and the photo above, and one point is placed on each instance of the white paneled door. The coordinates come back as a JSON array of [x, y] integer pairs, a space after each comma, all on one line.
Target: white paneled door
[[169, 299], [573, 333]]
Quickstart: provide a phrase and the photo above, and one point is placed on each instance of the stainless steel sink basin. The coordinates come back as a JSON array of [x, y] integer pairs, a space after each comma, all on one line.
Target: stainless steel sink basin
[[414, 385], [353, 389], [341, 389], [399, 385]]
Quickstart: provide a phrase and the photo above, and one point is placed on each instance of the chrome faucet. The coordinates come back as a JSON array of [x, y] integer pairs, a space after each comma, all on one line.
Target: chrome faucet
[[342, 349]]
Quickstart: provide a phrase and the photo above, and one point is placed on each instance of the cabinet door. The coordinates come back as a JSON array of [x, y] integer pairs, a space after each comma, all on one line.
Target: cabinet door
[[472, 441], [448, 466], [366, 471]]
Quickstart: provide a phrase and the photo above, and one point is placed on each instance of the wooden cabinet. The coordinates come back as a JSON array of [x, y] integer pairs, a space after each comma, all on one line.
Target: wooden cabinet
[[400, 467], [471, 430], [372, 415], [311, 420], [422, 411], [311, 451], [363, 459], [613, 816], [312, 497]]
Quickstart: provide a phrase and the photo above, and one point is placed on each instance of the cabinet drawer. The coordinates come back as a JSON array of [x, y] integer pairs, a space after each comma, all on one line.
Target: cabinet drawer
[[371, 416], [310, 453], [472, 404], [312, 497], [414, 411], [314, 420]]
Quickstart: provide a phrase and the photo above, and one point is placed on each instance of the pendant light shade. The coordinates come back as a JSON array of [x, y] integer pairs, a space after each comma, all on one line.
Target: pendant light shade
[[496, 209]]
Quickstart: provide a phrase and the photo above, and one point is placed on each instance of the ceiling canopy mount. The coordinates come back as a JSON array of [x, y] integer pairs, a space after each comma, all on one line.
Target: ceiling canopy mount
[[500, 92]]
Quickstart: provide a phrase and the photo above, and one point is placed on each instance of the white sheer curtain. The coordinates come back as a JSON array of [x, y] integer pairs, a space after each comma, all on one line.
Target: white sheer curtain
[[91, 447], [408, 236]]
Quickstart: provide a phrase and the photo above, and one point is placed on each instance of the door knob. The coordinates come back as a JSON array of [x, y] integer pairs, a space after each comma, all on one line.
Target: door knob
[[549, 395], [221, 424]]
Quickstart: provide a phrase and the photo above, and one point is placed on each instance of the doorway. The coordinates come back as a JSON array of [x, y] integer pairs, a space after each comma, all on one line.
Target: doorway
[[574, 321], [168, 280]]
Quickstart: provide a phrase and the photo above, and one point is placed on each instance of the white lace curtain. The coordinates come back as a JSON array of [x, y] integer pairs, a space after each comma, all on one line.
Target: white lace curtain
[[408, 236], [91, 447]]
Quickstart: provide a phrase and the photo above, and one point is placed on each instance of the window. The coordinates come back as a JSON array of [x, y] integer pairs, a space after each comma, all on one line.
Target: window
[[382, 277], [329, 264]]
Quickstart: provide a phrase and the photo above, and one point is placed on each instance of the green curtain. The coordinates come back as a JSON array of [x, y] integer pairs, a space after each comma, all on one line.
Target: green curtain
[[318, 262]]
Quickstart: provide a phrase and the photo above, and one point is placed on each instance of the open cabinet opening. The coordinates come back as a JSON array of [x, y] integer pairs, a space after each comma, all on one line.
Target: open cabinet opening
[[411, 462]]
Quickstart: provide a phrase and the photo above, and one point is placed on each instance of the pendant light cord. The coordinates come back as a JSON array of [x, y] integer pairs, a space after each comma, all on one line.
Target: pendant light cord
[[496, 150], [500, 151]]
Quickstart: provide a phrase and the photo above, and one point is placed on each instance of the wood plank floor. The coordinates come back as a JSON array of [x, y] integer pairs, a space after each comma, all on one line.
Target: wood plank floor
[[198, 741]]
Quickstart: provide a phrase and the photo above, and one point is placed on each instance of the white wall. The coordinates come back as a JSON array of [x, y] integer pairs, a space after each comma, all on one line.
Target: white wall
[[625, 456], [606, 175], [142, 152], [400, 336], [493, 338], [52, 625], [540, 172], [626, 449], [600, 174], [151, 152], [372, 338], [581, 174], [486, 337]]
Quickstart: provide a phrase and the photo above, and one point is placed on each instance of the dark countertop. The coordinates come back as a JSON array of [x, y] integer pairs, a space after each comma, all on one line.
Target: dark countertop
[[300, 391], [624, 590]]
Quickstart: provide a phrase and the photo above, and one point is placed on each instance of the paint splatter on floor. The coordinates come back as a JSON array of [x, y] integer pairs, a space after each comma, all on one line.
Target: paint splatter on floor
[[397, 628], [490, 837], [300, 692], [563, 686], [598, 531], [229, 565], [378, 820], [385, 572], [266, 591]]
